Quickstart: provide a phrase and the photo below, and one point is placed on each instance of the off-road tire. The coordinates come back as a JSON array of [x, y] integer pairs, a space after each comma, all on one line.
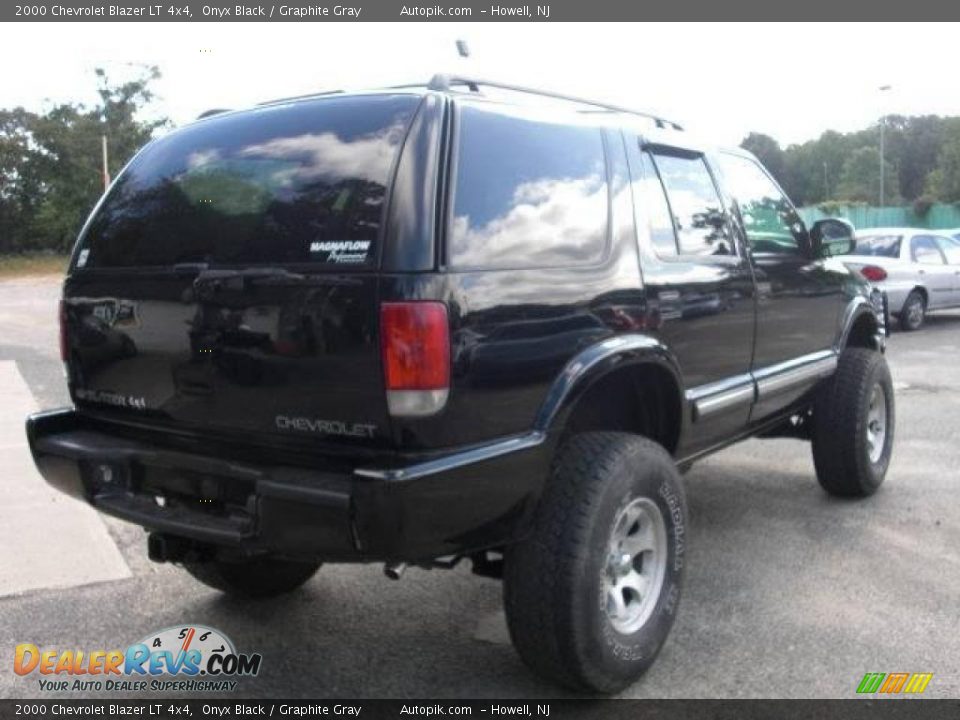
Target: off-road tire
[[910, 319], [261, 577], [555, 606], [840, 423]]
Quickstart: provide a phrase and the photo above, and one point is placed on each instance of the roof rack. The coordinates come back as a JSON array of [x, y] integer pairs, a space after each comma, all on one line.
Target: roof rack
[[305, 96], [211, 112], [447, 82]]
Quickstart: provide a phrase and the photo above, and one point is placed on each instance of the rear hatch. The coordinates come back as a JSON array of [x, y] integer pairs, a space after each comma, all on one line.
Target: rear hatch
[[228, 282]]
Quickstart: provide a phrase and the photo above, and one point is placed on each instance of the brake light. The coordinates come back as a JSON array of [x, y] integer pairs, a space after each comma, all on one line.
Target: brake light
[[64, 345], [415, 347], [873, 273]]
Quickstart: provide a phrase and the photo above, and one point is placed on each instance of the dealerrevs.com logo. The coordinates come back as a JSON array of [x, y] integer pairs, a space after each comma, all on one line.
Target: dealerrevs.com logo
[[184, 658]]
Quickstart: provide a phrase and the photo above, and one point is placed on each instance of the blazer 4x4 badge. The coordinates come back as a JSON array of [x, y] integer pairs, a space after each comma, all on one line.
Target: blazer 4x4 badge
[[325, 427]]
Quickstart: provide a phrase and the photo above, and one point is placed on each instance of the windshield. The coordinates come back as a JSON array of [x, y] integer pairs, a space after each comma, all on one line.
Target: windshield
[[302, 182], [878, 245]]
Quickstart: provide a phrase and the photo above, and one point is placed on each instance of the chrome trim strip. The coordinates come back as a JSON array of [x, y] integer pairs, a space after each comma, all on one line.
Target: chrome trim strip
[[456, 460], [800, 371], [719, 396], [724, 401]]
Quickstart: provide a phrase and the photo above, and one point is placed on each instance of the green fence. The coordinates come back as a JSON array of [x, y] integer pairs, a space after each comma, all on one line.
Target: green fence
[[938, 217]]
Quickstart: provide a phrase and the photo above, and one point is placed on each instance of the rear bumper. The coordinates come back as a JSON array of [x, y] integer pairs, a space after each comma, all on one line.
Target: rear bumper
[[412, 511]]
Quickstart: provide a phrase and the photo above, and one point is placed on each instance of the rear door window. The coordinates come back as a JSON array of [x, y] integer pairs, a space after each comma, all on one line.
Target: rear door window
[[698, 213], [528, 192], [303, 182], [924, 250]]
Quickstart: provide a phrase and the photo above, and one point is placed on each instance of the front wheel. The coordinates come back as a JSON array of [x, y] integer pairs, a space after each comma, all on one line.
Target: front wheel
[[260, 577], [592, 593], [853, 425]]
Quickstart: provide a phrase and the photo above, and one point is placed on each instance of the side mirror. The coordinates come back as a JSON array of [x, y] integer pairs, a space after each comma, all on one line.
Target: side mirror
[[831, 237]]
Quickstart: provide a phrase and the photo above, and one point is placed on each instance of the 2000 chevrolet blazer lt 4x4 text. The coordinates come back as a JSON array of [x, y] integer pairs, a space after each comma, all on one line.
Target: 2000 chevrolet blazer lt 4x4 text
[[431, 323]]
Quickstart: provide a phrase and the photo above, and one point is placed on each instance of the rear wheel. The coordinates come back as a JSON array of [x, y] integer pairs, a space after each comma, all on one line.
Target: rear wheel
[[260, 577], [591, 595], [853, 425], [913, 313]]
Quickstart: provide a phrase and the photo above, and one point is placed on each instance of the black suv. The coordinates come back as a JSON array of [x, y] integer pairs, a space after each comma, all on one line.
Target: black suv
[[455, 321]]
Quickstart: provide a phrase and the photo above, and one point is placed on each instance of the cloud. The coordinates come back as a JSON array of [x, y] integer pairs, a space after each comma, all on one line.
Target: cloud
[[549, 222]]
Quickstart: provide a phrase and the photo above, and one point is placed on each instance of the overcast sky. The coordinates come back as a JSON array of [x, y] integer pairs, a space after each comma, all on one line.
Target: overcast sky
[[792, 81]]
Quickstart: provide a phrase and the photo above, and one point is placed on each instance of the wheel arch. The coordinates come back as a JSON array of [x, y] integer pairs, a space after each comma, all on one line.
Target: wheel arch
[[626, 383], [862, 326]]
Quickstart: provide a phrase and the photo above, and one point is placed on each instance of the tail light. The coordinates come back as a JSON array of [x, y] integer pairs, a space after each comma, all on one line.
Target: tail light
[[64, 343], [415, 346], [873, 273]]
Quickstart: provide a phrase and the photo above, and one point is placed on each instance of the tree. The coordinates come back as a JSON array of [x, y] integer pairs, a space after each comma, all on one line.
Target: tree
[[944, 182], [768, 152], [860, 178], [19, 182], [50, 164]]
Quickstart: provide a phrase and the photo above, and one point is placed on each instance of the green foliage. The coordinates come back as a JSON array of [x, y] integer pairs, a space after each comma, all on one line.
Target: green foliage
[[768, 152], [921, 153], [50, 163], [922, 205], [944, 182], [860, 178]]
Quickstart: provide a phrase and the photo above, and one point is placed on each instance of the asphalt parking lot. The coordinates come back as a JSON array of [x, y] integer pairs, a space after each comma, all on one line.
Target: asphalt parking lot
[[789, 593]]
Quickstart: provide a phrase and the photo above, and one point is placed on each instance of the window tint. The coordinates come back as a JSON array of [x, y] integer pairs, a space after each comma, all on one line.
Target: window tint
[[950, 248], [528, 193], [878, 246], [303, 182], [770, 221], [924, 250], [701, 223], [653, 204]]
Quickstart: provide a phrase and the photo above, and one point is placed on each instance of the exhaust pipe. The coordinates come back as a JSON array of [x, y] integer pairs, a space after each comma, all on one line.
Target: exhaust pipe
[[394, 571]]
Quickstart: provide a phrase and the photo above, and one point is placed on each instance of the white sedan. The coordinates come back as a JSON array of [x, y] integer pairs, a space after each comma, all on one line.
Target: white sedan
[[919, 270]]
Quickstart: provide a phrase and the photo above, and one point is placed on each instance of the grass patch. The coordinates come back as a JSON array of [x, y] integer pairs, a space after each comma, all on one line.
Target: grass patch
[[28, 264]]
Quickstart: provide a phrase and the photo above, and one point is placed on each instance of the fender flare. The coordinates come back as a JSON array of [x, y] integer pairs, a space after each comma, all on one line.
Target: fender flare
[[857, 308], [598, 361]]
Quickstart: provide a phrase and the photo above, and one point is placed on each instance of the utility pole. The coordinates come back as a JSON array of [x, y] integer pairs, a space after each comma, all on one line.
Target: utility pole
[[883, 122], [826, 185], [106, 170]]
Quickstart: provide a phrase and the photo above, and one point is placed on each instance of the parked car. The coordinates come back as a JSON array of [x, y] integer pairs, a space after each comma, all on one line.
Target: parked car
[[919, 270], [953, 233], [478, 326]]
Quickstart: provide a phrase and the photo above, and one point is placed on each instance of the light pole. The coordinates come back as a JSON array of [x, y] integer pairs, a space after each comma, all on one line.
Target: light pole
[[883, 122]]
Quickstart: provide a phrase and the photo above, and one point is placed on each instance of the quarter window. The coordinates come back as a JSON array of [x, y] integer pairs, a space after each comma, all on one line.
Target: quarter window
[[528, 192], [698, 214], [770, 221]]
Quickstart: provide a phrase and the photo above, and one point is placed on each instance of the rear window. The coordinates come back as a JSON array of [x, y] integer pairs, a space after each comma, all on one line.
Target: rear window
[[528, 192], [878, 246], [304, 182]]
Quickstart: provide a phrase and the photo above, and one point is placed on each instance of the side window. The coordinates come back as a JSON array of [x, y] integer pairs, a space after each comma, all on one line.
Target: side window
[[656, 210], [769, 219], [951, 250], [698, 214], [528, 193], [924, 250]]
